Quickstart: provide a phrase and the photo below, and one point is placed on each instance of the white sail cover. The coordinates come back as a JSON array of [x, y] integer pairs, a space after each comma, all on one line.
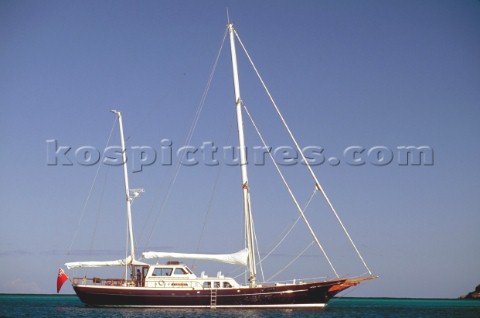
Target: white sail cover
[[238, 258], [120, 262]]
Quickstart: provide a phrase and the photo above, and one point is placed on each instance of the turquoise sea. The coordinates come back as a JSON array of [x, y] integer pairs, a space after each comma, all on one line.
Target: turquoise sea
[[70, 306]]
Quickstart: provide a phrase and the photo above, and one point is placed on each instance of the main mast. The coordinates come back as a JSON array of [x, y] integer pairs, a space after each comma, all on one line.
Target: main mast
[[127, 190], [249, 234]]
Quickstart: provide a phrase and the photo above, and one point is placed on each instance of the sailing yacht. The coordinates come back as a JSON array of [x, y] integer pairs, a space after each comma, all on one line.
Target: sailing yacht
[[172, 284]]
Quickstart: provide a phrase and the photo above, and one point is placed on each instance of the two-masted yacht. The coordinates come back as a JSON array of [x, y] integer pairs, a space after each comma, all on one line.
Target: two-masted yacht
[[172, 284]]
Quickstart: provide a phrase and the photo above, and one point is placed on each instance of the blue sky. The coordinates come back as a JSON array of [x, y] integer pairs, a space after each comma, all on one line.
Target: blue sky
[[345, 73]]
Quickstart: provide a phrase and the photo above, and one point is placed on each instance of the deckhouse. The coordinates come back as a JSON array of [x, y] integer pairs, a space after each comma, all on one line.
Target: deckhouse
[[174, 274]]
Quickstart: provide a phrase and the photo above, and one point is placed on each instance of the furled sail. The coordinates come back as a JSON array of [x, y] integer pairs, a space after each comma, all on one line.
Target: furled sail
[[238, 258], [120, 262]]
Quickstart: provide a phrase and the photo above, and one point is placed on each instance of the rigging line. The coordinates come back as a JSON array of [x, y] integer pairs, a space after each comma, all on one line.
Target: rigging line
[[292, 261], [84, 209], [258, 250], [126, 250], [99, 212], [317, 183], [290, 229], [244, 273], [189, 136], [299, 208], [214, 188], [140, 124], [135, 240], [205, 94], [209, 209], [149, 114]]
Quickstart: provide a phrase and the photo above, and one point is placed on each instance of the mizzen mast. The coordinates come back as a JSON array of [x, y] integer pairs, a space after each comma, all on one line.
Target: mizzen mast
[[129, 198], [249, 231]]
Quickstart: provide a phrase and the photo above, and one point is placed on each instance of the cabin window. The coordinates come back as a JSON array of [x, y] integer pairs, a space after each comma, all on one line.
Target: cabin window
[[217, 284], [162, 271], [180, 271], [207, 284], [227, 285]]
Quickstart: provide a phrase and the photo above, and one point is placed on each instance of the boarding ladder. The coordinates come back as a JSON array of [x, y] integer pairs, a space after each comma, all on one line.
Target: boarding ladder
[[213, 298]]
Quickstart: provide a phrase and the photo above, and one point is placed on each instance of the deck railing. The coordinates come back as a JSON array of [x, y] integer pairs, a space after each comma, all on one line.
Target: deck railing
[[160, 283], [104, 281]]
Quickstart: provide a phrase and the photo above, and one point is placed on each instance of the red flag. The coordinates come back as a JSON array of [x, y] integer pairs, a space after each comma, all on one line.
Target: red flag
[[61, 279]]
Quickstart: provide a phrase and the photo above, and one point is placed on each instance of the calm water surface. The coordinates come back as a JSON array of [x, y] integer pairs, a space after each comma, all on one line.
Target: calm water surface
[[70, 306]]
